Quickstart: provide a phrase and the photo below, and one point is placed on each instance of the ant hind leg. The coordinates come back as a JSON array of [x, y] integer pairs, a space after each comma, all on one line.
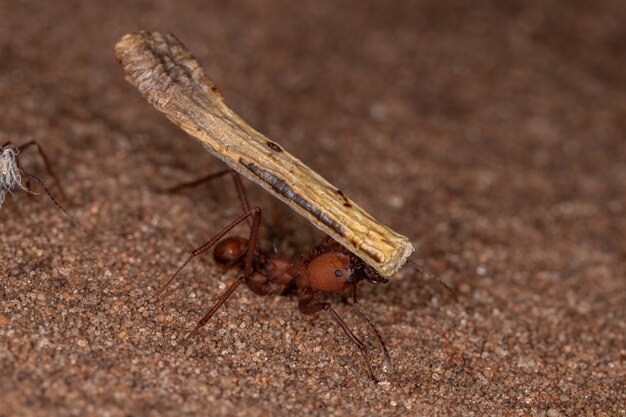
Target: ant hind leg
[[255, 213], [241, 192]]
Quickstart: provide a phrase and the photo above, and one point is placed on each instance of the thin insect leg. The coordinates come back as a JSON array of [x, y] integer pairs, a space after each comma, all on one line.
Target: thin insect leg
[[256, 212], [241, 192], [213, 309], [197, 182], [357, 306], [314, 308], [46, 162], [19, 166], [54, 200]]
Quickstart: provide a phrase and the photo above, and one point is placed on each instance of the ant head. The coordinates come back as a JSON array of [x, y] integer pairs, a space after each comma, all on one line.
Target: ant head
[[335, 271], [330, 271], [230, 250]]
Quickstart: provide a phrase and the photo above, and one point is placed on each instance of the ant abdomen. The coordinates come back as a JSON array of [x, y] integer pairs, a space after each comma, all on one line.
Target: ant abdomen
[[230, 250]]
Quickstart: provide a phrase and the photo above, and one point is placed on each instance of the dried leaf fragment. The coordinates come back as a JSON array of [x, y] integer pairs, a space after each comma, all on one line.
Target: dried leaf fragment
[[173, 81]]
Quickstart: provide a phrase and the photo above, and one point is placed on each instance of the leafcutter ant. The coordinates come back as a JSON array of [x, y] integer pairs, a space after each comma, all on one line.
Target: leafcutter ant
[[328, 268]]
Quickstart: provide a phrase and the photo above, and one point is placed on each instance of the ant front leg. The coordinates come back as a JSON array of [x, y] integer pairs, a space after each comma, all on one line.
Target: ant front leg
[[313, 308], [255, 214], [357, 306]]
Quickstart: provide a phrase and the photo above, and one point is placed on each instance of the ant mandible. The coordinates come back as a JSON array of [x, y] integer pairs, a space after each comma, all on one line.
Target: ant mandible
[[328, 268]]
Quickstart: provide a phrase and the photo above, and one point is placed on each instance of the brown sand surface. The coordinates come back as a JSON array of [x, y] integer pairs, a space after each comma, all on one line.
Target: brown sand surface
[[493, 133]]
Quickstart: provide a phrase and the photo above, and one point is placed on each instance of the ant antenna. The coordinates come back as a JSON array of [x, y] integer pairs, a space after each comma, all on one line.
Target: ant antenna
[[451, 292]]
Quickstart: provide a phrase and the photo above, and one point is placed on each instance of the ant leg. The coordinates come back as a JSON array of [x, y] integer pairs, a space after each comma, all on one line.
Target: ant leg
[[317, 307], [357, 306], [196, 182], [241, 192], [256, 215], [46, 162], [252, 245], [220, 301]]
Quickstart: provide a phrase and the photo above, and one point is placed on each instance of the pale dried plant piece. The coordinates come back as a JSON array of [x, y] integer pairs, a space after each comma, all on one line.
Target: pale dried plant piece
[[173, 81], [10, 174]]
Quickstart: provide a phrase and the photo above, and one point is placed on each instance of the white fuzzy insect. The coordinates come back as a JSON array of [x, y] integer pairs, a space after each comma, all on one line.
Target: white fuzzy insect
[[10, 174]]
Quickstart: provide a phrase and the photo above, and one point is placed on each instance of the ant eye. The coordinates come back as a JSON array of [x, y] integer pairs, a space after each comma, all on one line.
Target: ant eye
[[338, 273]]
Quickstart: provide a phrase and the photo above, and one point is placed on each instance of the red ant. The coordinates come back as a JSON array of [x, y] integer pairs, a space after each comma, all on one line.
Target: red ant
[[11, 174], [328, 268]]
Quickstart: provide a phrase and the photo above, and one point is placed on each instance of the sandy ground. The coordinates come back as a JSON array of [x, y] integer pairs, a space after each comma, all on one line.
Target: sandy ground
[[492, 133]]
